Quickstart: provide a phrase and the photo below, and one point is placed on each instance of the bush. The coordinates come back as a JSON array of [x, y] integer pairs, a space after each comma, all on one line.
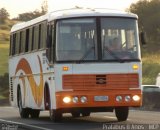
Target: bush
[[151, 67], [4, 86], [4, 81], [4, 27], [151, 100]]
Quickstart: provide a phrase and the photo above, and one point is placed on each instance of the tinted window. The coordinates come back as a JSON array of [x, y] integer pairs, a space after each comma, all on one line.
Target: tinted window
[[30, 39], [33, 30], [17, 43], [23, 41], [43, 35], [36, 33], [20, 42], [119, 39], [39, 38], [76, 39], [13, 44], [27, 41]]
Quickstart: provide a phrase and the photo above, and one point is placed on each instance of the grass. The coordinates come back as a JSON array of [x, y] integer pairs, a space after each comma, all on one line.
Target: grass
[[4, 45], [151, 67], [4, 93], [4, 50], [2, 97]]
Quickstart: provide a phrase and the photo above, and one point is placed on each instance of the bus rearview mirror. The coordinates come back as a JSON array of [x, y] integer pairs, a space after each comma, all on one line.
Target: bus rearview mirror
[[143, 38]]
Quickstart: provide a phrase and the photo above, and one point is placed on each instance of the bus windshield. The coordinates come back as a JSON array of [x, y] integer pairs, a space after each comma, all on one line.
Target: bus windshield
[[119, 39], [76, 39]]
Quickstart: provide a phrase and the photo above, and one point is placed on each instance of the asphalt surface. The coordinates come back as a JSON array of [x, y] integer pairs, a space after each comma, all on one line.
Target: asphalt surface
[[137, 120]]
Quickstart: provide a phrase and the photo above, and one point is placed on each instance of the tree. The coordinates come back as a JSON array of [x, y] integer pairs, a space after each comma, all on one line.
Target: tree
[[3, 15], [31, 15], [44, 7], [148, 12]]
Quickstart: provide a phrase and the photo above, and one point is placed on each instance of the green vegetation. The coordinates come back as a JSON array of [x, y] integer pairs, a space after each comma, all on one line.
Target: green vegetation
[[4, 91], [4, 94], [4, 49], [4, 44], [151, 67]]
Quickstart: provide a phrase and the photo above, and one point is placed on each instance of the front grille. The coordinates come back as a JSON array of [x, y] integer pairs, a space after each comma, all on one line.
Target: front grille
[[100, 79], [109, 81]]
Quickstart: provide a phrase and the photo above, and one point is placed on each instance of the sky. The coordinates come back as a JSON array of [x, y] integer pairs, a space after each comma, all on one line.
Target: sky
[[15, 7]]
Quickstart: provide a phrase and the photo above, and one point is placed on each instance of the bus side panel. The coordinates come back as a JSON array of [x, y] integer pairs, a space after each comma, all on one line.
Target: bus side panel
[[28, 71]]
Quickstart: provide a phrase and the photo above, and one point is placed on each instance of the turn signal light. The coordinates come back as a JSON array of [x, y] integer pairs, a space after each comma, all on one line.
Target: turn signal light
[[135, 67], [65, 68]]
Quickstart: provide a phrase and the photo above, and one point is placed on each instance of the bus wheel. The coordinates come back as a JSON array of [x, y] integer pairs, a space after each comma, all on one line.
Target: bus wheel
[[34, 113], [86, 113], [75, 114], [24, 112], [55, 115], [46, 98], [122, 113]]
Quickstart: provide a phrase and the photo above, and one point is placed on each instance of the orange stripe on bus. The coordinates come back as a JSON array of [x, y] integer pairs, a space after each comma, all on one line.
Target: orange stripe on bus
[[37, 90]]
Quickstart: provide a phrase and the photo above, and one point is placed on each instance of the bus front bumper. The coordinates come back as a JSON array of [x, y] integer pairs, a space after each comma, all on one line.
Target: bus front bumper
[[98, 98]]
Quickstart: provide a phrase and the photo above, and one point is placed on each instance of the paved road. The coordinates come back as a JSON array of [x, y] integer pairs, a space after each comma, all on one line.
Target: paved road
[[10, 120]]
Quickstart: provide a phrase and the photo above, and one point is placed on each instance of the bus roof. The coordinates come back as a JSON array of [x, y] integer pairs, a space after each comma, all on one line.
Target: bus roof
[[72, 13]]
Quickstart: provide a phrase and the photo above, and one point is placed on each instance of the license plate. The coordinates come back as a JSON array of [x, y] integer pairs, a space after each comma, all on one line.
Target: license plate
[[100, 98]]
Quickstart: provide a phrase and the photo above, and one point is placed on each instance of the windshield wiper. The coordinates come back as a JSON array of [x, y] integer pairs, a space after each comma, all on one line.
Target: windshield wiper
[[113, 54], [87, 53]]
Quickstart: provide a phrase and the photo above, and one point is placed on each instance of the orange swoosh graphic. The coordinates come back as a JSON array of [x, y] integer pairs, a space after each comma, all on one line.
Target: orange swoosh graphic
[[37, 90]]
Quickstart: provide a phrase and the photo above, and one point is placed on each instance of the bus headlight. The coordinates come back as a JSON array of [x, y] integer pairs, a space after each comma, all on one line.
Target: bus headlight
[[119, 98], [127, 98], [83, 99], [66, 99], [136, 98], [75, 99]]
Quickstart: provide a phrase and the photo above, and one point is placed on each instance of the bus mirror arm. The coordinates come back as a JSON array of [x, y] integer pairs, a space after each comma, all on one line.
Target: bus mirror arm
[[51, 65], [143, 38]]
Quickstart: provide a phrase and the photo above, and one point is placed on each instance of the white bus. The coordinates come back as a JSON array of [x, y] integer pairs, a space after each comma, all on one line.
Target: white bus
[[76, 61]]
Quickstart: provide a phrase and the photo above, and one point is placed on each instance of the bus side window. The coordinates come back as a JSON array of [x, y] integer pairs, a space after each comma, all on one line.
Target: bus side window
[[17, 43], [14, 43], [32, 46], [20, 42], [11, 43], [23, 41], [50, 43], [36, 33], [39, 37], [27, 40], [30, 40], [43, 34]]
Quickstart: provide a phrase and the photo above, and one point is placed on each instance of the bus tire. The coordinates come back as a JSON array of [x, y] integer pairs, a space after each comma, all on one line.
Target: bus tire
[[122, 113], [55, 115], [75, 114], [46, 97], [85, 113], [24, 112], [34, 113]]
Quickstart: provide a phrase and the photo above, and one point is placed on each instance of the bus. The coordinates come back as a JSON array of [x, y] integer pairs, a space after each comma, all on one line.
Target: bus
[[76, 61]]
